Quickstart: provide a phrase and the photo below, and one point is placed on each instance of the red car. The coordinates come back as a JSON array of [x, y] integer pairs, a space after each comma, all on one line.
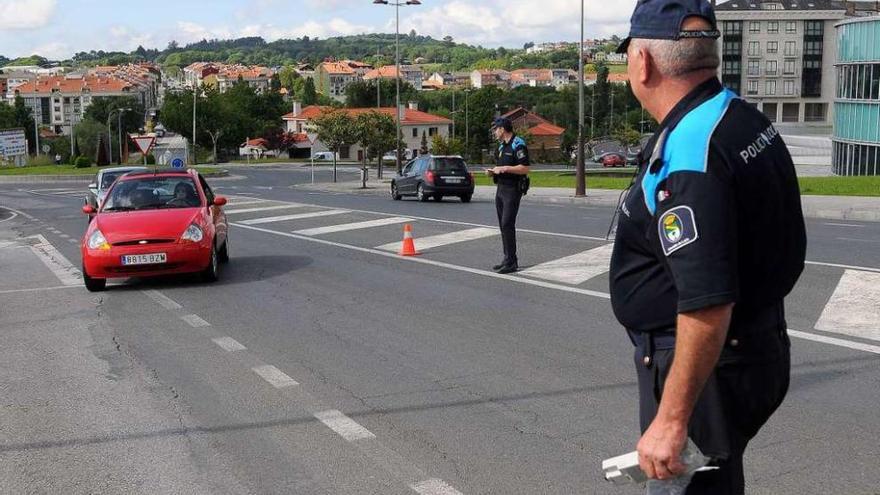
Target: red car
[[155, 223], [613, 160]]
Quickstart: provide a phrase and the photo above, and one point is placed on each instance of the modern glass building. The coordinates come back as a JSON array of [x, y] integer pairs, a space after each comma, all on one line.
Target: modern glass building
[[856, 140]]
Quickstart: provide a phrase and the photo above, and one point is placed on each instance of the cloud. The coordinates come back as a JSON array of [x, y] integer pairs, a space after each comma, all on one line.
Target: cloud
[[53, 51], [192, 32], [25, 14]]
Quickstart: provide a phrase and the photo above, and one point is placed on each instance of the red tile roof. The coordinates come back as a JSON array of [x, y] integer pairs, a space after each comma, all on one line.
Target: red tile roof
[[410, 116], [546, 129], [337, 68], [95, 84]]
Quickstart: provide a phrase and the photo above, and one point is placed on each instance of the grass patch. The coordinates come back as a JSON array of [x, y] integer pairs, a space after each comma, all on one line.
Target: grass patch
[[566, 180], [68, 170]]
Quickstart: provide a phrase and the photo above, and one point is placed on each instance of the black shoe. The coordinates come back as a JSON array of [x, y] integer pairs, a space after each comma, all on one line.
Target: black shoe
[[499, 266], [511, 268]]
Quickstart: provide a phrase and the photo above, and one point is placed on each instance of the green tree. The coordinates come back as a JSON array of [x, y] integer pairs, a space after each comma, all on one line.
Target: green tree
[[309, 96], [447, 146], [287, 76], [376, 135], [336, 129], [423, 148], [103, 107], [88, 133]]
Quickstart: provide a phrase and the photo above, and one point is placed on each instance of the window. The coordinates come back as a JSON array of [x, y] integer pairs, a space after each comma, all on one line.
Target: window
[[754, 48], [789, 67], [754, 27], [732, 48], [814, 28], [731, 67], [432, 131], [812, 64], [813, 48], [771, 67], [814, 112], [790, 48], [791, 112], [415, 131], [754, 67], [791, 27], [752, 87], [770, 89], [772, 47], [732, 28], [789, 88], [770, 110], [773, 27]]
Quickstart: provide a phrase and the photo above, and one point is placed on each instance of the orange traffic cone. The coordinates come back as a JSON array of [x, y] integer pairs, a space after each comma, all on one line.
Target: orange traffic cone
[[409, 246]]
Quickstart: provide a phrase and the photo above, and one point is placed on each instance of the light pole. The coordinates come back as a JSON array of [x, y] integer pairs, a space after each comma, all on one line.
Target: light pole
[[37, 104], [397, 63], [195, 93], [580, 173], [118, 112]]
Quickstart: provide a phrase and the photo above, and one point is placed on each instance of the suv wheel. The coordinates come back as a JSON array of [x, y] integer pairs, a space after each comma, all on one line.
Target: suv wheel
[[420, 193], [395, 194]]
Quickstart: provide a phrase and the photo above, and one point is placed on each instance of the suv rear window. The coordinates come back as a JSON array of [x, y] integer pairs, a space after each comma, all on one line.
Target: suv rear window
[[447, 165]]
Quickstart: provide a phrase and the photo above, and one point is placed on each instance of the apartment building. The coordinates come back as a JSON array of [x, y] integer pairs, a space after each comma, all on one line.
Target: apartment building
[[409, 73], [780, 55], [332, 79]]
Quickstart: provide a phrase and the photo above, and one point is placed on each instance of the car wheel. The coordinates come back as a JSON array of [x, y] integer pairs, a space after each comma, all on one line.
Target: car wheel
[[466, 198], [395, 194], [223, 255], [93, 284], [211, 272], [420, 193]]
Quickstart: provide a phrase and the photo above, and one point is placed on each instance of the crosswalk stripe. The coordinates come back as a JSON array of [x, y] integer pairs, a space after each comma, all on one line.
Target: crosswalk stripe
[[352, 226], [246, 202], [265, 208], [854, 307], [575, 269], [431, 242], [300, 216]]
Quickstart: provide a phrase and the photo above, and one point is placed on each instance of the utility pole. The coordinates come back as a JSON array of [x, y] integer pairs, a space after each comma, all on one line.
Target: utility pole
[[580, 173], [195, 89], [37, 104], [378, 84], [453, 112], [593, 112]]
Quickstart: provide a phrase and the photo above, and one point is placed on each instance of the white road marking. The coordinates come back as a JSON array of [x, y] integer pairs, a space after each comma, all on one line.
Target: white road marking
[[73, 241], [301, 216], [14, 214], [844, 225], [162, 300], [352, 226], [250, 202], [229, 344], [346, 427], [850, 239], [265, 208], [575, 269], [854, 308], [55, 261], [434, 486], [431, 242], [848, 267], [195, 321], [274, 376], [40, 289], [64, 236], [858, 346]]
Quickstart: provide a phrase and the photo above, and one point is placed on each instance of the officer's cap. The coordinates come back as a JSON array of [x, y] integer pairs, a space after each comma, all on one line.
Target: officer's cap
[[504, 123], [663, 19]]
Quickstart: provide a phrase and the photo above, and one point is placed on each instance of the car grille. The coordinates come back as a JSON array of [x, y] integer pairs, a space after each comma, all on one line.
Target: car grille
[[143, 242], [143, 268]]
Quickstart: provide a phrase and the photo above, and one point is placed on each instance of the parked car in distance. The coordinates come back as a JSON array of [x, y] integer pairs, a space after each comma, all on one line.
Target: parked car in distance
[[323, 156], [155, 223], [105, 178], [613, 160], [431, 176], [391, 156]]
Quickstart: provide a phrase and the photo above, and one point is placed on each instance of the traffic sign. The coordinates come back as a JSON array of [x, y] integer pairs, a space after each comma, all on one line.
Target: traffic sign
[[144, 143], [12, 143], [177, 163], [46, 148]]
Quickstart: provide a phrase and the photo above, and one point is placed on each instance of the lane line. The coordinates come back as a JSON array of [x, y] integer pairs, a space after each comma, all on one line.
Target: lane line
[[55, 261], [301, 216], [431, 242], [844, 225], [434, 486], [14, 214], [40, 289], [344, 426], [265, 208], [229, 344], [274, 376], [854, 307], [195, 321], [851, 239], [575, 269], [161, 299], [849, 267], [345, 227], [244, 203], [858, 346], [424, 261]]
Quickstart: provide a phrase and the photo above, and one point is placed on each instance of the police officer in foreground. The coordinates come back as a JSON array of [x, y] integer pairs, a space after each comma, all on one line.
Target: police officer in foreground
[[511, 175], [710, 240]]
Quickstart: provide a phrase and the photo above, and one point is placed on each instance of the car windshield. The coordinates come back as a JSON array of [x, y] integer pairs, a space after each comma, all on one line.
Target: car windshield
[[150, 193], [449, 165], [108, 178]]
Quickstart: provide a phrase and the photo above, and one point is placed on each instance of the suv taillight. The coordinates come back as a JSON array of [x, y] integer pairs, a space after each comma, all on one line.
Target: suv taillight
[[429, 177]]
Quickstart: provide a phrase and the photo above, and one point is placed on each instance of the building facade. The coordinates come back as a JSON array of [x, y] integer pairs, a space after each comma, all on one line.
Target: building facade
[[780, 56], [856, 139], [332, 79]]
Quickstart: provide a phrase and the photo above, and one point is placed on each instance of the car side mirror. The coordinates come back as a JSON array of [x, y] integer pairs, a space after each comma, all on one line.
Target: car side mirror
[[219, 201], [89, 210], [93, 186]]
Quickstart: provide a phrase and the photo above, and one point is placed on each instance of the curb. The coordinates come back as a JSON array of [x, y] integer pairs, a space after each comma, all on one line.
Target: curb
[[38, 179]]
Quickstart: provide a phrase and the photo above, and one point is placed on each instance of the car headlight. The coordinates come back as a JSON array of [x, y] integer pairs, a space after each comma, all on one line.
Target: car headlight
[[193, 233], [98, 241]]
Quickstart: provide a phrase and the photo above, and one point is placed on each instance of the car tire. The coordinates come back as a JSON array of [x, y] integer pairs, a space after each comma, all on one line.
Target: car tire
[[223, 255], [395, 194], [211, 273], [420, 194], [466, 198], [93, 284]]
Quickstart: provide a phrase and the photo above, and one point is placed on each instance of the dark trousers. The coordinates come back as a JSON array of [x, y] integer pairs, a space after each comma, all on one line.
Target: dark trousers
[[747, 386], [507, 199]]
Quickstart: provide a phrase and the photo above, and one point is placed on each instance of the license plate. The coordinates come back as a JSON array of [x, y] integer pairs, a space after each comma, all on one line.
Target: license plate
[[144, 259], [453, 179]]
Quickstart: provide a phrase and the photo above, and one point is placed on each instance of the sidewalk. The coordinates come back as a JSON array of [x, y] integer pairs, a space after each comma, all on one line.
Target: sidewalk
[[855, 208]]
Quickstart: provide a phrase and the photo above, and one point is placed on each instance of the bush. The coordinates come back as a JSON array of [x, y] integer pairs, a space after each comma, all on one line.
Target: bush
[[40, 161], [82, 162], [151, 160]]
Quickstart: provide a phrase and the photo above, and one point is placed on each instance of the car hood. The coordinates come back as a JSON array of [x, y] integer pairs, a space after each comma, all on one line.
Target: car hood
[[124, 226]]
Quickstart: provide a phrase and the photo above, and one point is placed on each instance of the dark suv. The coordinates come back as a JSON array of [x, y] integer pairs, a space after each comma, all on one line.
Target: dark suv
[[434, 176]]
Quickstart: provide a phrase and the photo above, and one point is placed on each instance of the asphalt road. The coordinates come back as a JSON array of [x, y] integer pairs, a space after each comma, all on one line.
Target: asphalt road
[[322, 363]]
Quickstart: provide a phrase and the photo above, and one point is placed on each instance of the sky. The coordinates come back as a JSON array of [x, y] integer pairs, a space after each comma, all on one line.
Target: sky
[[57, 29]]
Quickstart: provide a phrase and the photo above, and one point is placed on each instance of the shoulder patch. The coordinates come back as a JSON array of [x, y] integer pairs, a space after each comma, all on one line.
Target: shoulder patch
[[517, 142], [677, 228]]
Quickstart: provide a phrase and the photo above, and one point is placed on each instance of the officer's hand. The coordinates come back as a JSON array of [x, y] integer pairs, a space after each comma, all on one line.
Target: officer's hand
[[660, 449], [490, 172]]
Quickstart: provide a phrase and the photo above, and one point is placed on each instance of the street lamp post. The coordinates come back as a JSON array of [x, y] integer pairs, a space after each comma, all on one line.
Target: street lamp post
[[397, 63], [118, 112], [580, 173]]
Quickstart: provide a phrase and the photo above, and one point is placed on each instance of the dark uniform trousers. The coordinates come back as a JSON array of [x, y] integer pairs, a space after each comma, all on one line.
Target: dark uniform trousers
[[507, 199], [748, 385]]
